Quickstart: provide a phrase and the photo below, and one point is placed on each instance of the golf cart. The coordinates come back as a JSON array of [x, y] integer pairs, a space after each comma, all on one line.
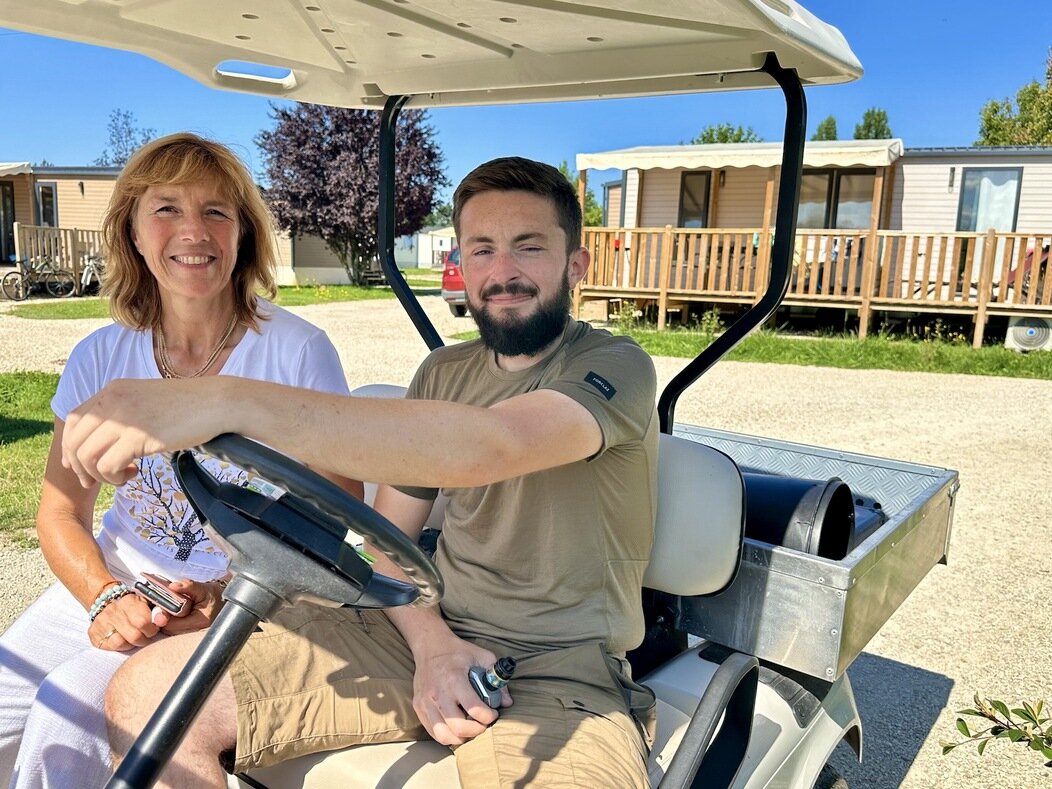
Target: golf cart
[[774, 563]]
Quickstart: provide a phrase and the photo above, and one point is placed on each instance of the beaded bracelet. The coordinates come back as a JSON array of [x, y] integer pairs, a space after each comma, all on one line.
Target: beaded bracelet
[[105, 598]]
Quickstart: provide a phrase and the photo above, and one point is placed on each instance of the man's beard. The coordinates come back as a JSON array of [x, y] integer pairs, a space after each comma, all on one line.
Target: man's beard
[[514, 336]]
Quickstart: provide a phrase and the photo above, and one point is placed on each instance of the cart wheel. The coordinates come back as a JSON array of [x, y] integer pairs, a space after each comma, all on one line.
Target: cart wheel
[[14, 286], [458, 310], [829, 778], [60, 284]]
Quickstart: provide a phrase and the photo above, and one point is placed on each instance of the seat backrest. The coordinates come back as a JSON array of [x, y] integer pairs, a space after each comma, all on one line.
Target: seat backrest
[[700, 519], [700, 513]]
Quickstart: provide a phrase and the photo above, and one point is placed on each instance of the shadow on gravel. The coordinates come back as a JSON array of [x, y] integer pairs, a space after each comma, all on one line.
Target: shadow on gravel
[[899, 705], [16, 429]]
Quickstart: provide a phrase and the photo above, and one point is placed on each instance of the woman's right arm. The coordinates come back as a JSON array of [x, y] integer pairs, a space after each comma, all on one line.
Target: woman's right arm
[[64, 522]]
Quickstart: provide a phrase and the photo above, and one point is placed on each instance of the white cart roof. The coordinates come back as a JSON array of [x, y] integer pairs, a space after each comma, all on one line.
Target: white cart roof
[[356, 53]]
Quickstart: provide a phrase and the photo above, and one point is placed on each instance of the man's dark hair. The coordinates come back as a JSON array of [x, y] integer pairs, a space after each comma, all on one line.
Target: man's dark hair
[[513, 173]]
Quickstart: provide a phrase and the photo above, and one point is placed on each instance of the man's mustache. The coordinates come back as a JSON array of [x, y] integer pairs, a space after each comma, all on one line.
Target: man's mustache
[[510, 289]]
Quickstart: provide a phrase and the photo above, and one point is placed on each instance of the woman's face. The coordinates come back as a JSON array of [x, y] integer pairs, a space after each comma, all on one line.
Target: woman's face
[[188, 234]]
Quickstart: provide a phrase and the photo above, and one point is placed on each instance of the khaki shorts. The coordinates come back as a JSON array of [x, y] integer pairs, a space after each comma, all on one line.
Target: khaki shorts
[[320, 679]]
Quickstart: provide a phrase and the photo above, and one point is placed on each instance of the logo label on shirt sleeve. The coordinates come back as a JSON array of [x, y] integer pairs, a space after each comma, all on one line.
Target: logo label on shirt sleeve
[[601, 384]]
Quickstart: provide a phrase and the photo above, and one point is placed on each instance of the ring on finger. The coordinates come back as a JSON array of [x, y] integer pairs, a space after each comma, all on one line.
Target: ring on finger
[[106, 637]]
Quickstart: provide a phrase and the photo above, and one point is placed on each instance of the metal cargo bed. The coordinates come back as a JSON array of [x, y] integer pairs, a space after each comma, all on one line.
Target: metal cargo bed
[[816, 615]]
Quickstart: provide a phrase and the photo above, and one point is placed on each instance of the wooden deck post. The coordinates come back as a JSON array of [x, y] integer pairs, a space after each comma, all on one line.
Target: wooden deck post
[[665, 273], [869, 259], [72, 238], [582, 193], [763, 259], [582, 190], [19, 253], [712, 219], [986, 279]]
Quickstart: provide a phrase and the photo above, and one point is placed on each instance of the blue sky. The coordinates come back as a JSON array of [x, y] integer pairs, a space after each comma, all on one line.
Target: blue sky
[[930, 65]]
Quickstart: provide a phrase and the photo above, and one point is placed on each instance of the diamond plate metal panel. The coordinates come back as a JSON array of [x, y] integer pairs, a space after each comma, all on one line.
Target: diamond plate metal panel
[[892, 483]]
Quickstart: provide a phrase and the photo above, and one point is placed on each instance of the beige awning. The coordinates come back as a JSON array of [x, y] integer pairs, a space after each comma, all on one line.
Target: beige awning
[[838, 153], [15, 168]]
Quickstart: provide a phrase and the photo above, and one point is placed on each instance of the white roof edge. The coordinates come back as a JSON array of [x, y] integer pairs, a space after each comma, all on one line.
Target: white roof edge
[[15, 168], [838, 153], [353, 53]]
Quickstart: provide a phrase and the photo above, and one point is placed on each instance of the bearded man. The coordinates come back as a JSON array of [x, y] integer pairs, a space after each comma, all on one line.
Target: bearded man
[[543, 435]]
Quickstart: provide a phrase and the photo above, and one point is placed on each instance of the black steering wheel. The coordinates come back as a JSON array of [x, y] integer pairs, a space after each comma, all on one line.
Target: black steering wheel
[[309, 514]]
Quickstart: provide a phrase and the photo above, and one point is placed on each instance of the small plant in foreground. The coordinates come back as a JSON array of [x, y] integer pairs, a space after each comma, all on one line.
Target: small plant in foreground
[[1026, 725], [711, 323], [626, 316]]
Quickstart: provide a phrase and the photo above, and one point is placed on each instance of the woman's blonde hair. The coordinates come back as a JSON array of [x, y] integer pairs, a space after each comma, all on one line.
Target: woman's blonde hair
[[184, 158]]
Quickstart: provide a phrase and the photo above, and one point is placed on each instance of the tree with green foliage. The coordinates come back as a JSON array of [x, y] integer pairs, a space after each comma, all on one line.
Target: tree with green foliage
[[874, 125], [1027, 121], [826, 130], [593, 212], [724, 132], [440, 216], [125, 138], [321, 163]]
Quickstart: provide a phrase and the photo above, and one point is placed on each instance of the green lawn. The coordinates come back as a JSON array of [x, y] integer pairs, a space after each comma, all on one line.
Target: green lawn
[[302, 295], [25, 435], [66, 309], [873, 353], [422, 281]]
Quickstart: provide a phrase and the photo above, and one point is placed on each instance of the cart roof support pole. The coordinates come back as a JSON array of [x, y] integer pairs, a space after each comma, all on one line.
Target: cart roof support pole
[[385, 224], [781, 256]]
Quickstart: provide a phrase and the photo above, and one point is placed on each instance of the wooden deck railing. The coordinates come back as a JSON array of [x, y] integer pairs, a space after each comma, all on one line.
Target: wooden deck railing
[[66, 247], [868, 270]]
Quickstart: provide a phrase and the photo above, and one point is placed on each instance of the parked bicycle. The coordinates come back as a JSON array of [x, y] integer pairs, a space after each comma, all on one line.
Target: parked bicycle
[[37, 274], [91, 275]]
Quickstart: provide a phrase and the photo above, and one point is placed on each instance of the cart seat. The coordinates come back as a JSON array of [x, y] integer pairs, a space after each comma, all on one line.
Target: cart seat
[[697, 547]]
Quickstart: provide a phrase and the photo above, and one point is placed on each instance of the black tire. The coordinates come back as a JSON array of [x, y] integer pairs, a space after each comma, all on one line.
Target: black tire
[[14, 286], [829, 778], [60, 284], [458, 310]]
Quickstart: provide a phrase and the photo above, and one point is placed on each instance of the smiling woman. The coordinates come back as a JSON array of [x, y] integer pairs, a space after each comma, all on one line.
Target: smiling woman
[[189, 247]]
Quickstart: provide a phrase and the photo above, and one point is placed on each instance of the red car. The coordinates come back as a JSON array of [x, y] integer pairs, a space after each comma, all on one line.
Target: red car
[[453, 284]]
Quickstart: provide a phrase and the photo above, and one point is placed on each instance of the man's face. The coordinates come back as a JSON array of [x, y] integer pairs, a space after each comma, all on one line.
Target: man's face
[[517, 275]]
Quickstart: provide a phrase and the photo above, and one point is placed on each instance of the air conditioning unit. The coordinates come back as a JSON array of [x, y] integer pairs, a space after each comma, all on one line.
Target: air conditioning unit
[[1029, 334]]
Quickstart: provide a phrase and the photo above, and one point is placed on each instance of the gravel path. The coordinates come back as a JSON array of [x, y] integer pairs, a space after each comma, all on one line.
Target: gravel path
[[982, 623]]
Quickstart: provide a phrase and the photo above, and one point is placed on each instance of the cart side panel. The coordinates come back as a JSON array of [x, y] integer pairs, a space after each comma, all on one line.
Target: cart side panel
[[812, 614]]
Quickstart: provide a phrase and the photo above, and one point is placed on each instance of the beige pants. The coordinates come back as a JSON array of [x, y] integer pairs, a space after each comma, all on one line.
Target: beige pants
[[320, 679]]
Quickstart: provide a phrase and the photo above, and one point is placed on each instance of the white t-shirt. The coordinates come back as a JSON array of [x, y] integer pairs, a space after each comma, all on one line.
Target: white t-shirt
[[151, 526]]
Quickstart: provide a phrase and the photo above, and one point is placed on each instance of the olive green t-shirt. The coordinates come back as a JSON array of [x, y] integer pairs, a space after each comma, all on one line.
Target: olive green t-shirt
[[554, 558]]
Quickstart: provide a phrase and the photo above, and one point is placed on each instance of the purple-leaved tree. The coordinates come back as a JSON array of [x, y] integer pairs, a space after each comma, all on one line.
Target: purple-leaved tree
[[322, 163]]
